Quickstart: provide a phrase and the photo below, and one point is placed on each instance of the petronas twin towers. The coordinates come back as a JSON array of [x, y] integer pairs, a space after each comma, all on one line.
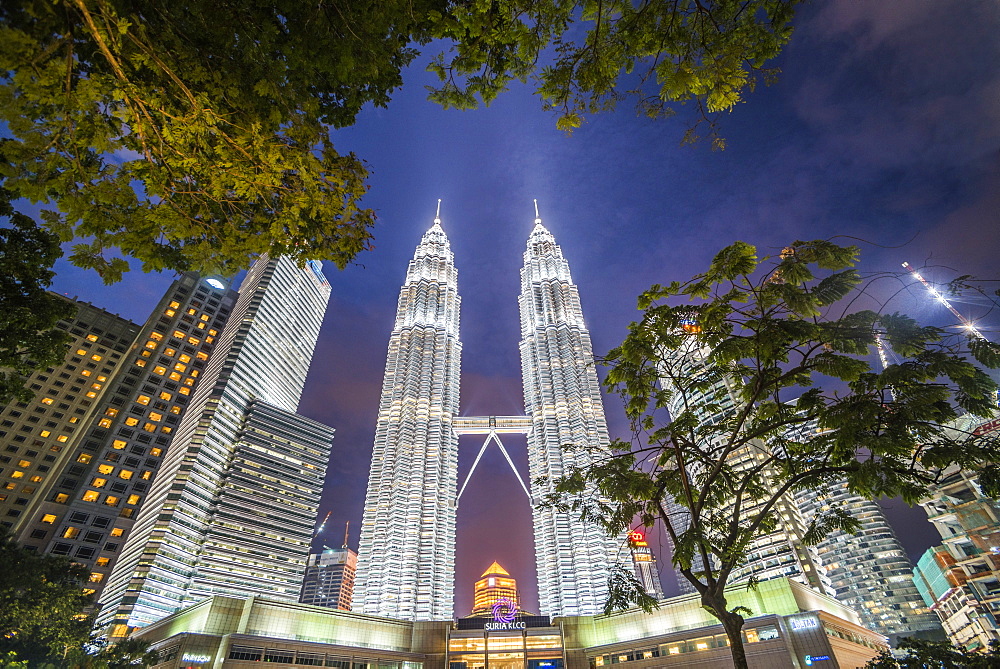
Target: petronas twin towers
[[406, 562]]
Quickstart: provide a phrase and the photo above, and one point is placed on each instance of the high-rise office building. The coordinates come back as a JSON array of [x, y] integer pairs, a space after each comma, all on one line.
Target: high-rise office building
[[87, 506], [781, 553], [562, 398], [406, 558], [329, 578], [495, 586], [232, 508], [644, 564]]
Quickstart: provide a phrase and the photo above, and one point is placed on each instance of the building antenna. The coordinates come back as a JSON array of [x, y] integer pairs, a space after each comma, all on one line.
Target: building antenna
[[346, 530], [538, 219], [437, 216]]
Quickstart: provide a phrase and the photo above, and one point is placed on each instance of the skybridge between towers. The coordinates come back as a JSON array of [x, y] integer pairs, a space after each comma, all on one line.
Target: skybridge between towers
[[492, 427]]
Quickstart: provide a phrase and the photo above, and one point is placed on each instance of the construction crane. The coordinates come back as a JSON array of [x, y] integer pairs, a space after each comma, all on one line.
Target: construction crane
[[941, 298], [322, 525]]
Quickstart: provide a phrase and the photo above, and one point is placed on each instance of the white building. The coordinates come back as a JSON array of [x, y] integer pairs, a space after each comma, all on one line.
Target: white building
[[406, 557], [562, 397], [232, 509]]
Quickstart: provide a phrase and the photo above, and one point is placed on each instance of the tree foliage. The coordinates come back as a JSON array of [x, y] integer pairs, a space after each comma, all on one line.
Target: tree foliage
[[28, 313], [41, 600], [588, 55], [194, 135], [919, 653], [752, 381]]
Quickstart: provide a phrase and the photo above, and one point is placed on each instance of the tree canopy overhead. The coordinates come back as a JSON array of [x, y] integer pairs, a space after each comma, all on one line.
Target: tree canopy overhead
[[754, 380], [194, 135]]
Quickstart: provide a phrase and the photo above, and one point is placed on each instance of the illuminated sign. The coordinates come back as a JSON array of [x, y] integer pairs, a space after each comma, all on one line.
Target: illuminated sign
[[504, 610], [504, 627], [196, 659], [218, 285], [991, 426], [637, 538], [815, 658], [803, 623]]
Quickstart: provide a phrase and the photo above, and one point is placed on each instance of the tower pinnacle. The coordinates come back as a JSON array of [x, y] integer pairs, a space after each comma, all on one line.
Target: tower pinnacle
[[538, 219], [437, 216]]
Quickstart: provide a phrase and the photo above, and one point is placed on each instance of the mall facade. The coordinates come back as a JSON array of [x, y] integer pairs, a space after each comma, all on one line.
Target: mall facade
[[801, 628]]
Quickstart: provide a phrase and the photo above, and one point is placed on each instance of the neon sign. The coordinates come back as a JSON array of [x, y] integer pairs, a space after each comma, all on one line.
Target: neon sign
[[504, 617]]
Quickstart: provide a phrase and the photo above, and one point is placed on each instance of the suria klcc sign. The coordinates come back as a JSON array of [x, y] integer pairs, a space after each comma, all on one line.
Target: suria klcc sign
[[505, 617]]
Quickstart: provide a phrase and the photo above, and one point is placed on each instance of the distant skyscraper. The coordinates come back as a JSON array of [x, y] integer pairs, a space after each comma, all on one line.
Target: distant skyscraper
[[406, 558], [329, 578], [231, 511], [563, 399], [494, 585], [644, 564], [87, 505]]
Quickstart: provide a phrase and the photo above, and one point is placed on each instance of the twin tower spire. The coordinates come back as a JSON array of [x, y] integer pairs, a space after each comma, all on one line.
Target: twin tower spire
[[406, 561]]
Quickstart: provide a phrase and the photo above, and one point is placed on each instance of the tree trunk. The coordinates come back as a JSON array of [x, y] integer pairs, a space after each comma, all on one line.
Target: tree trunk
[[731, 622]]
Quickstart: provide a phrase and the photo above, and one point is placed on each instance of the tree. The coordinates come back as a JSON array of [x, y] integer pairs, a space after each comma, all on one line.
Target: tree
[[587, 55], [752, 381], [192, 135], [41, 603], [918, 653], [28, 313]]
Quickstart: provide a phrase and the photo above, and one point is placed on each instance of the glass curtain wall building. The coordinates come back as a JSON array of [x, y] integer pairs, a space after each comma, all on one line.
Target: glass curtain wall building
[[406, 557], [563, 399], [232, 509]]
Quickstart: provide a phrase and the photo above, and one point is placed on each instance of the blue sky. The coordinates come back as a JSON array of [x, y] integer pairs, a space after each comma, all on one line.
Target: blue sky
[[884, 127]]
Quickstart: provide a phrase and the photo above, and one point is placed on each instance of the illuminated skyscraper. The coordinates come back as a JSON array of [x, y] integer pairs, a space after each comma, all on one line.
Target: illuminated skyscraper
[[562, 398], [232, 508], [644, 564], [406, 558]]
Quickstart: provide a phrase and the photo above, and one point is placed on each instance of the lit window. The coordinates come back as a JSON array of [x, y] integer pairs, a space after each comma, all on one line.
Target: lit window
[[155, 452], [165, 396], [90, 496], [169, 351], [192, 311], [45, 433], [174, 304], [213, 332], [102, 378], [103, 562], [61, 498], [17, 474], [91, 394], [194, 341], [91, 337], [174, 376], [183, 357], [175, 409], [84, 458], [96, 357], [95, 386], [160, 369], [201, 355], [146, 475], [133, 500], [194, 373], [166, 429], [81, 351], [96, 577], [209, 340], [140, 363], [24, 463], [170, 312], [71, 533], [155, 416], [111, 411], [184, 391], [125, 474], [86, 372], [10, 486], [204, 317], [200, 326], [99, 482], [131, 421], [111, 500], [118, 444], [36, 479], [151, 345], [47, 400], [117, 532], [189, 381], [74, 419], [142, 399], [88, 591], [149, 427], [49, 518], [156, 336], [104, 422], [105, 469], [178, 334], [62, 438]]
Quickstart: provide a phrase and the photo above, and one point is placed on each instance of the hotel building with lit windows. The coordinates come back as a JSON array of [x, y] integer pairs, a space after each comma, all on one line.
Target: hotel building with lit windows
[[232, 509]]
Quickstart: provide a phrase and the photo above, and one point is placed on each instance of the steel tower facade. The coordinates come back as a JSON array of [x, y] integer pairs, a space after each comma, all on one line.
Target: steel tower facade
[[232, 509], [562, 398], [406, 557]]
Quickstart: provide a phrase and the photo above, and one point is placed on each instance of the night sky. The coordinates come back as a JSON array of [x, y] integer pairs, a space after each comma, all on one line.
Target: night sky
[[884, 127]]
